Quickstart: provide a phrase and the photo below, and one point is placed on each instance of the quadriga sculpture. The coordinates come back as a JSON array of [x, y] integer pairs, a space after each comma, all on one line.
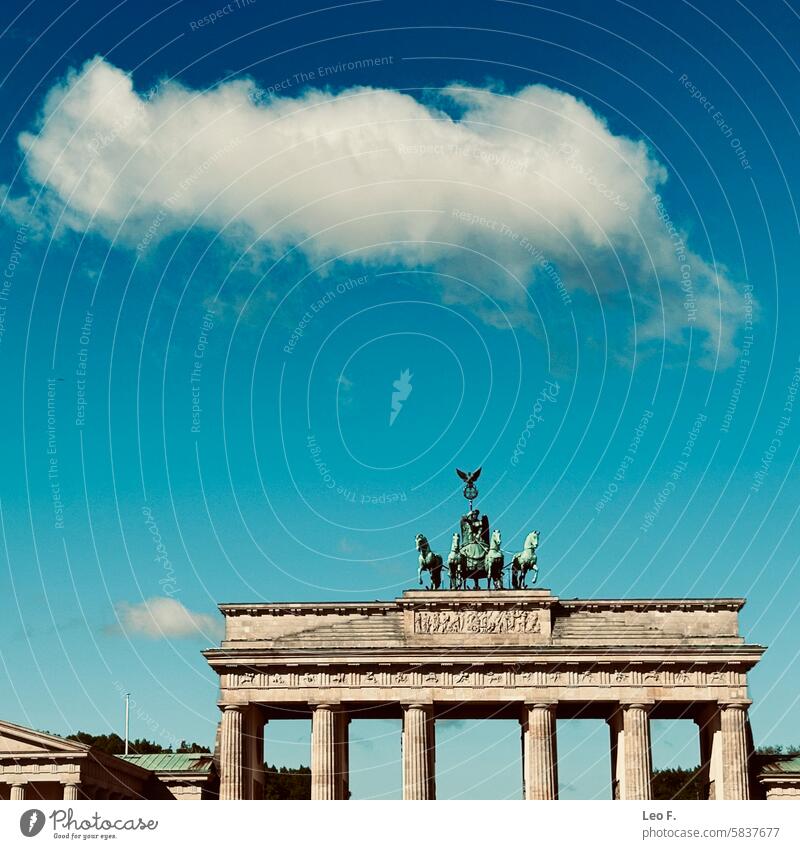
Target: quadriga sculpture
[[525, 562]]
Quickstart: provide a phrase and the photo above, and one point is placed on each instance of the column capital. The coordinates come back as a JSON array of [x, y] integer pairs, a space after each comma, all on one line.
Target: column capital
[[620, 708], [70, 791], [417, 705], [548, 705], [734, 704], [324, 705], [240, 708]]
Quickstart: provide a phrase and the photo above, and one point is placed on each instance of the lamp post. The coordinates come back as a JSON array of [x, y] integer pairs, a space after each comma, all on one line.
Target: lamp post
[[127, 718]]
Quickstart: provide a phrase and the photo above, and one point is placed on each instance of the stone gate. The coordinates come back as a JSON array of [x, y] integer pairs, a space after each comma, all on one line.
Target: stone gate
[[523, 654]]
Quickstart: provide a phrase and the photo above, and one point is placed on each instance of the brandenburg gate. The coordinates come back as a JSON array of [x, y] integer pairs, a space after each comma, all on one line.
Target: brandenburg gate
[[501, 653], [469, 653]]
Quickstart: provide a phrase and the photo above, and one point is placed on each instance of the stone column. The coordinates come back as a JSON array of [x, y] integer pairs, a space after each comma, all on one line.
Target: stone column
[[342, 755], [631, 762], [733, 725], [617, 754], [231, 756], [261, 775], [725, 749], [70, 791], [710, 751], [418, 754], [253, 752], [324, 781], [539, 758], [431, 732], [17, 792]]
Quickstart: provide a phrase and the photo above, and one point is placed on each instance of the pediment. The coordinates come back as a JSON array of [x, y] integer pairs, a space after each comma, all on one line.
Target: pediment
[[16, 739]]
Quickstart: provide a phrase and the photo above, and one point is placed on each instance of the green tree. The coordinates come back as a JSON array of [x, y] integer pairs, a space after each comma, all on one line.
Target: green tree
[[677, 784], [780, 751], [192, 748], [287, 782], [687, 783], [115, 745]]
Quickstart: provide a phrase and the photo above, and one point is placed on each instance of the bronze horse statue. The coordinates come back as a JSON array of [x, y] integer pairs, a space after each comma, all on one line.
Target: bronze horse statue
[[454, 563], [429, 562], [524, 562], [495, 562]]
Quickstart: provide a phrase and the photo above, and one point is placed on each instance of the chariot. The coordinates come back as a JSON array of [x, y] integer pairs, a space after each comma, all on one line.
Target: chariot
[[476, 551]]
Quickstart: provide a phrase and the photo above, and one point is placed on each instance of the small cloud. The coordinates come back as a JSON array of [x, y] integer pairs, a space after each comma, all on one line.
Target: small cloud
[[345, 390], [164, 617]]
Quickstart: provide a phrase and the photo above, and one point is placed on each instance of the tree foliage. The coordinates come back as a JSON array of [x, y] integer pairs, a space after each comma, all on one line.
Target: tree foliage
[[779, 751], [287, 782], [192, 748], [687, 784], [113, 744], [677, 783]]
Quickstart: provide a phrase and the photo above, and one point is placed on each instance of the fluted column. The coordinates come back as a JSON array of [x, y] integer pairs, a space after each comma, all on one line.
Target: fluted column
[[260, 776], [431, 743], [17, 792], [231, 756], [631, 762], [637, 752], [418, 754], [342, 755], [725, 748], [733, 725], [710, 776], [324, 780], [70, 791], [253, 752], [539, 754]]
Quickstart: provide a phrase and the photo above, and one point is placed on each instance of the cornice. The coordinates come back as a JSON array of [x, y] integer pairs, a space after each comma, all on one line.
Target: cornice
[[308, 608], [644, 604], [419, 598], [746, 655]]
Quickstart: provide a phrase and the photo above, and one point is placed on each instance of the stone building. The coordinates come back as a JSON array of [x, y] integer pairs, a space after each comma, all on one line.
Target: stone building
[[779, 778], [37, 765], [526, 655], [185, 775]]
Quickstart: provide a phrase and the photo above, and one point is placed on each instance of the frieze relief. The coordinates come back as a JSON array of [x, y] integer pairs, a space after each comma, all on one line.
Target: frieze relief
[[499, 675], [479, 620]]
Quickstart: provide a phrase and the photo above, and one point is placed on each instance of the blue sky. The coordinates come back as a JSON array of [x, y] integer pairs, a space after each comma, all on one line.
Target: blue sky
[[498, 201]]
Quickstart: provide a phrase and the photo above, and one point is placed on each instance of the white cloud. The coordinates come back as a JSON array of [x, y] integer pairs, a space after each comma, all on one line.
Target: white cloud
[[530, 178], [161, 617]]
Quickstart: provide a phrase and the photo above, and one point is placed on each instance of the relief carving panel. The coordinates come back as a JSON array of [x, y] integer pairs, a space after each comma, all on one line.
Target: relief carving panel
[[482, 675], [478, 620]]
